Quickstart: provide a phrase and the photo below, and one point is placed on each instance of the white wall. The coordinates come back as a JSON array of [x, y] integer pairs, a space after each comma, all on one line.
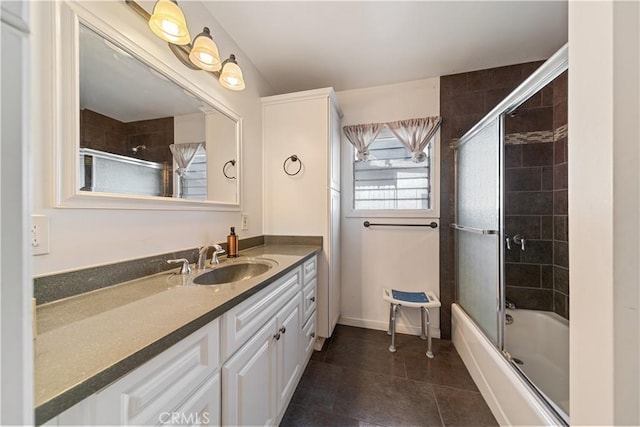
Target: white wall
[[16, 344], [220, 137], [604, 139], [188, 128], [375, 258], [86, 237]]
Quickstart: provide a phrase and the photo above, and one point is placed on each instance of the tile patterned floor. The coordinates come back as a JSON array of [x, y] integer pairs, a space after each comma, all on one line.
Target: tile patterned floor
[[356, 381]]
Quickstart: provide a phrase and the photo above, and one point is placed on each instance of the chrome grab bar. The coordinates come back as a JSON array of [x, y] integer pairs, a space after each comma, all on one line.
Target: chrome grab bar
[[473, 230]]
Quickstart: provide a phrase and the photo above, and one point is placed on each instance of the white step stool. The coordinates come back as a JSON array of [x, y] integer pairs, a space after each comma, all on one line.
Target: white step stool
[[422, 300]]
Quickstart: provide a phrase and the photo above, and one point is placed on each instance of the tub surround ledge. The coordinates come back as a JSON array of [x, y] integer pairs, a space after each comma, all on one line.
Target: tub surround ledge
[[88, 341]]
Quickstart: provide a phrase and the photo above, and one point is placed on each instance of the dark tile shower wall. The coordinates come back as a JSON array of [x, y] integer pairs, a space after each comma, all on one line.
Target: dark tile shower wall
[[529, 191], [536, 201], [464, 99], [102, 133], [106, 134], [560, 197]]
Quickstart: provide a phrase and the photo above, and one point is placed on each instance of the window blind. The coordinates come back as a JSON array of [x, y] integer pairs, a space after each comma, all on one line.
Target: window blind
[[390, 179]]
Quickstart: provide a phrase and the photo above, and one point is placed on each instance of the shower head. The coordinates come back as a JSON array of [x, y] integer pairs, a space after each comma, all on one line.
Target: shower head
[[138, 148]]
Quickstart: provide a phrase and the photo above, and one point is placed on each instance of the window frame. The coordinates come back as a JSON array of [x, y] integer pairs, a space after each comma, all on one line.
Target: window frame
[[434, 180]]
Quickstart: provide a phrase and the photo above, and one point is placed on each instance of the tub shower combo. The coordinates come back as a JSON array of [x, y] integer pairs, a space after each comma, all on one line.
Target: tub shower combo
[[510, 319]]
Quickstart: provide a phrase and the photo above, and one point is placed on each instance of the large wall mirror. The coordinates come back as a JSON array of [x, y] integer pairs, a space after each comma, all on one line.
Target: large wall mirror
[[140, 139]]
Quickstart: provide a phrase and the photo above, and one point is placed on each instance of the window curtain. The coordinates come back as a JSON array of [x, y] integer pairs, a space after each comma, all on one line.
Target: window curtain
[[361, 136], [415, 134], [184, 154]]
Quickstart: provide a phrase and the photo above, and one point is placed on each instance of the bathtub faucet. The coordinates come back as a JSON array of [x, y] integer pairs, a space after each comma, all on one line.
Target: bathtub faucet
[[509, 304]]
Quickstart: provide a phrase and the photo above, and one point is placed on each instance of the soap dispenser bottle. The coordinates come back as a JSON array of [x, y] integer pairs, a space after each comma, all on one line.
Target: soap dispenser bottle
[[232, 244]]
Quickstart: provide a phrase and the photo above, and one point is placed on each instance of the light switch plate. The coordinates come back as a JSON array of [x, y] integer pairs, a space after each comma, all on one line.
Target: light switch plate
[[244, 222]]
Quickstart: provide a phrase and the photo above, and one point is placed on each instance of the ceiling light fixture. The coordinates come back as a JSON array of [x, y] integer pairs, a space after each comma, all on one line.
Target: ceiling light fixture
[[168, 23]]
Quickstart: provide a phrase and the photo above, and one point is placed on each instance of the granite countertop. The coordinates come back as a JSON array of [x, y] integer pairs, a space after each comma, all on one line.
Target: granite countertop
[[88, 341]]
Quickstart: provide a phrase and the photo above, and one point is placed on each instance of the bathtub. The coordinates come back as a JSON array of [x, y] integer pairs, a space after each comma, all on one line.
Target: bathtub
[[508, 394]]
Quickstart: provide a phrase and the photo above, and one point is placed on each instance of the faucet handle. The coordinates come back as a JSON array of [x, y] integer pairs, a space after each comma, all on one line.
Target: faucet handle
[[519, 239], [217, 250], [184, 269]]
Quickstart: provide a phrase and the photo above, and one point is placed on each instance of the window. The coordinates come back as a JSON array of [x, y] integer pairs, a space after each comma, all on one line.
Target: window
[[390, 180], [193, 185]]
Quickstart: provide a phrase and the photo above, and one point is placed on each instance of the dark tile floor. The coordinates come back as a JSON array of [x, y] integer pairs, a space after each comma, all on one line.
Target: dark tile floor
[[356, 381]]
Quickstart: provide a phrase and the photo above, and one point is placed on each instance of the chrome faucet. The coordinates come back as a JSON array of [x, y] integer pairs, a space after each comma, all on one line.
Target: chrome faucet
[[202, 256], [217, 250], [509, 304]]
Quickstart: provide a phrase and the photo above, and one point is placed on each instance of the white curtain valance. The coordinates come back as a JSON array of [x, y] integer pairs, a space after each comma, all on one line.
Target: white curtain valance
[[184, 154], [361, 136], [415, 134]]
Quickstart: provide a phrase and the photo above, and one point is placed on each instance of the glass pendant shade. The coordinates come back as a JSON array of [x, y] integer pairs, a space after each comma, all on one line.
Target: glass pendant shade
[[231, 75], [168, 23], [204, 53]]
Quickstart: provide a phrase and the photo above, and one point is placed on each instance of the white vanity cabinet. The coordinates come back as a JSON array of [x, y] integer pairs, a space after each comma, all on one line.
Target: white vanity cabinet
[[260, 377], [306, 124], [239, 370]]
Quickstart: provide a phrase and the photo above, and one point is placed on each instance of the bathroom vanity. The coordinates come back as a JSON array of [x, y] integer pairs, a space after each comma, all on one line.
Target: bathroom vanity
[[157, 351]]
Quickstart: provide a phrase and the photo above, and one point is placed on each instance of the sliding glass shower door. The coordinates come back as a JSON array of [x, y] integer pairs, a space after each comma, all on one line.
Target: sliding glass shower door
[[478, 157]]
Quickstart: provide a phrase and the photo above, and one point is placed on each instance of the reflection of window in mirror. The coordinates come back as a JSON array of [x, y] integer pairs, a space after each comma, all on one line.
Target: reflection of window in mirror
[[192, 183]]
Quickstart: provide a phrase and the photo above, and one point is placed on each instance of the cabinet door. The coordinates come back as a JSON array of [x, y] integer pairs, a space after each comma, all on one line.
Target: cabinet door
[[289, 363], [201, 409], [248, 380]]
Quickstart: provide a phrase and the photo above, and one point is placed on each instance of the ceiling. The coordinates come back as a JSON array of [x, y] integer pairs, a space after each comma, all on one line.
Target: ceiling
[[299, 45]]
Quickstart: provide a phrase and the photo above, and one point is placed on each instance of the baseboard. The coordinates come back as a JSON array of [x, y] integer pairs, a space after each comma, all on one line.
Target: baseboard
[[383, 326]]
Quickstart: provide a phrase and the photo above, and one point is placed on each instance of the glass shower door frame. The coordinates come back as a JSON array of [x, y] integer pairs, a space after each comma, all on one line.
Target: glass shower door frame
[[551, 69], [479, 221]]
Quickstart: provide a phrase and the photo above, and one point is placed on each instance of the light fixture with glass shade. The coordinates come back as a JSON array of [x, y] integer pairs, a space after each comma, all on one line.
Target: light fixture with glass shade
[[204, 52], [168, 23], [231, 74]]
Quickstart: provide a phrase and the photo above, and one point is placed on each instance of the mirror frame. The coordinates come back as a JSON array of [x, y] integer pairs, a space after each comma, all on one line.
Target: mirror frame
[[69, 17]]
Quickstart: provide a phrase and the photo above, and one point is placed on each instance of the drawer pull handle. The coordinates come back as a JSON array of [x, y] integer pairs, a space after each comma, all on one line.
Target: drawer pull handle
[[312, 299], [313, 335], [283, 329], [277, 336]]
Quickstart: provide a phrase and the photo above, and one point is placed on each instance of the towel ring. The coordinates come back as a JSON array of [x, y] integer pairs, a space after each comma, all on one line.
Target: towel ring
[[293, 158], [224, 169]]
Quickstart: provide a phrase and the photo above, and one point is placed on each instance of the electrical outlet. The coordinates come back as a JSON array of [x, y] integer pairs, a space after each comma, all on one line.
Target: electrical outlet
[[39, 234], [244, 222]]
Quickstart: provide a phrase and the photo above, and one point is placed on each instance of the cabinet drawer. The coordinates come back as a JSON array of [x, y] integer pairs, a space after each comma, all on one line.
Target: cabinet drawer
[[161, 384], [245, 319], [309, 297], [309, 338], [309, 269]]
